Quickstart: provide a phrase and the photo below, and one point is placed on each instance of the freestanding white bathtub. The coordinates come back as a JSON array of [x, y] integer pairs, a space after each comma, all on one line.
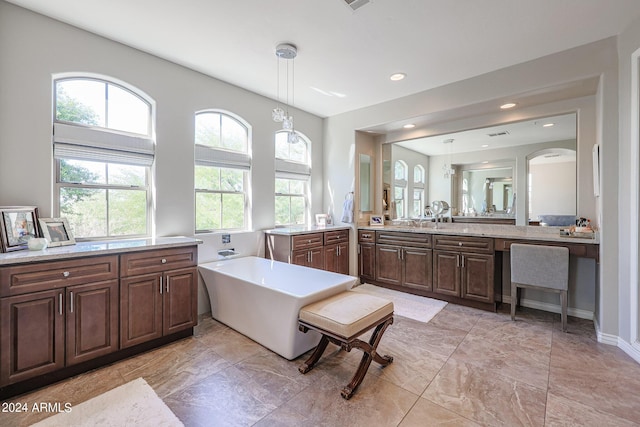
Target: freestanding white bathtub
[[261, 299]]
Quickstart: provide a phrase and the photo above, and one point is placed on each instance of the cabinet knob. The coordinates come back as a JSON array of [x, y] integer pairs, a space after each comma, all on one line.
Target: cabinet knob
[[459, 243], [66, 274], [164, 261], [309, 241]]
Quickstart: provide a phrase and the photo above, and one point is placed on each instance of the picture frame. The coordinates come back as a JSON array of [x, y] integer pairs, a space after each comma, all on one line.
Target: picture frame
[[18, 224], [322, 220], [376, 221], [57, 231]]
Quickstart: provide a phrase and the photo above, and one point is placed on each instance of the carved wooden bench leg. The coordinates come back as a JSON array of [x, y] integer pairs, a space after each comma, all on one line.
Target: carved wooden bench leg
[[341, 319], [370, 354], [315, 356]]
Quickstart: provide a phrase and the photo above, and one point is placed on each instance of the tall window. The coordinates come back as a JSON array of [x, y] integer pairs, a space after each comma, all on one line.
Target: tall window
[[223, 163], [103, 151], [418, 190], [292, 179], [400, 188]]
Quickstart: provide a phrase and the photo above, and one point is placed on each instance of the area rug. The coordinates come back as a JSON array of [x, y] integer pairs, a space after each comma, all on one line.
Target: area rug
[[414, 307], [132, 404]]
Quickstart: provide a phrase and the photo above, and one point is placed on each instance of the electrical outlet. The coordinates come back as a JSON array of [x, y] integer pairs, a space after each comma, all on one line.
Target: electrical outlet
[[226, 238]]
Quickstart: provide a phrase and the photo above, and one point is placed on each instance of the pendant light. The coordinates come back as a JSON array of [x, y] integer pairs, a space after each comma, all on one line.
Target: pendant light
[[288, 53], [447, 168]]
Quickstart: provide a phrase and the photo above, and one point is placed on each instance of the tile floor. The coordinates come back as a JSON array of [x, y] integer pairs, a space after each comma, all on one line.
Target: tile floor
[[464, 368]]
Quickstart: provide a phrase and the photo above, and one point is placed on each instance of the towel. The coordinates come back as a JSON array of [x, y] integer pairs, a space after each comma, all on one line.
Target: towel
[[347, 210]]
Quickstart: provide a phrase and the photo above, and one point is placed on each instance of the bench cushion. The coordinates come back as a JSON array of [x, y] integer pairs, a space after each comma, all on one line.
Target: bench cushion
[[346, 313]]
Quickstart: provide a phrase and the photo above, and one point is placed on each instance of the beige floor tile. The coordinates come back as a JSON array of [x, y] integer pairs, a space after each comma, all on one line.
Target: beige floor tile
[[426, 413], [596, 375], [565, 412], [485, 397]]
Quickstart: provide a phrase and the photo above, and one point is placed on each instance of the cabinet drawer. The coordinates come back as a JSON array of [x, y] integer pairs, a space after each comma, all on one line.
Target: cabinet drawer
[[464, 244], [577, 249], [304, 241], [146, 262], [366, 236], [337, 236], [43, 276], [421, 240]]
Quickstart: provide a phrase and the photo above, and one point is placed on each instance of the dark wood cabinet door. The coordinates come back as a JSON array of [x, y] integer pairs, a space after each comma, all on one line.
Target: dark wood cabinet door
[[331, 258], [446, 273], [336, 258], [92, 321], [388, 264], [31, 335], [300, 257], [417, 264], [316, 258], [477, 277], [367, 262], [140, 309], [343, 258], [180, 300]]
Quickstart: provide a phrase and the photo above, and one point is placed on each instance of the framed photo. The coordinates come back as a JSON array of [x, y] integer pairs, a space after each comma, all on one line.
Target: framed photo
[[56, 231], [18, 225], [376, 220], [322, 220]]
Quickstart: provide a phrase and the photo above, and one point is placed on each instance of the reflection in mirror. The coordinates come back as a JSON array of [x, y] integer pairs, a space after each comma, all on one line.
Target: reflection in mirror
[[509, 145], [366, 186], [552, 183], [486, 191]]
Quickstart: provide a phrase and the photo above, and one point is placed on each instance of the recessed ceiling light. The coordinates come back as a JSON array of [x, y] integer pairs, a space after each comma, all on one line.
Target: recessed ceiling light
[[397, 76], [484, 145], [409, 126], [508, 105], [548, 125]]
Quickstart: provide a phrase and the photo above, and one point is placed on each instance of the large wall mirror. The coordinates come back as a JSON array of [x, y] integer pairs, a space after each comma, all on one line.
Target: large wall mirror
[[489, 172]]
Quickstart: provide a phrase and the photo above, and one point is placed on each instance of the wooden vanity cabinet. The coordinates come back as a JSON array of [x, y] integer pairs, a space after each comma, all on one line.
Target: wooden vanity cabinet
[[56, 314], [325, 250], [463, 267], [366, 255], [336, 251], [158, 294], [404, 259]]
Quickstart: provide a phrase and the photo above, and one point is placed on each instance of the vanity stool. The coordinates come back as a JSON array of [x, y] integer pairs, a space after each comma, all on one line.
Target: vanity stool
[[540, 267], [341, 319]]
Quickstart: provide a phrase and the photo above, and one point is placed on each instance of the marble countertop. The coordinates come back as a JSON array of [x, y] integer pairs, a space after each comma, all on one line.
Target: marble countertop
[[501, 231], [92, 248], [290, 231]]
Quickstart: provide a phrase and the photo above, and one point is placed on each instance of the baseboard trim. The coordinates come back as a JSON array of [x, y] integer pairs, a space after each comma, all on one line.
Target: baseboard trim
[[553, 308], [633, 350]]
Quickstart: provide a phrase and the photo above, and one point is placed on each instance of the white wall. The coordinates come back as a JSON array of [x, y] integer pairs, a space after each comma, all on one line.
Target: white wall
[[561, 178], [33, 48], [629, 189], [597, 123]]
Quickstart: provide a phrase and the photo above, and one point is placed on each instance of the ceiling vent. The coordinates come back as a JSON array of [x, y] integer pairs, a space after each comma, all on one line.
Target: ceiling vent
[[501, 133], [356, 4]]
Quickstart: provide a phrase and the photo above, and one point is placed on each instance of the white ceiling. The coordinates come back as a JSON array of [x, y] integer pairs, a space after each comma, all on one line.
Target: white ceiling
[[434, 42]]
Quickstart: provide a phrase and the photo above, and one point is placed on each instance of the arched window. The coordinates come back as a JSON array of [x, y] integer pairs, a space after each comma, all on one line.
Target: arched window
[[293, 170], [418, 190], [400, 188], [223, 163], [103, 149]]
